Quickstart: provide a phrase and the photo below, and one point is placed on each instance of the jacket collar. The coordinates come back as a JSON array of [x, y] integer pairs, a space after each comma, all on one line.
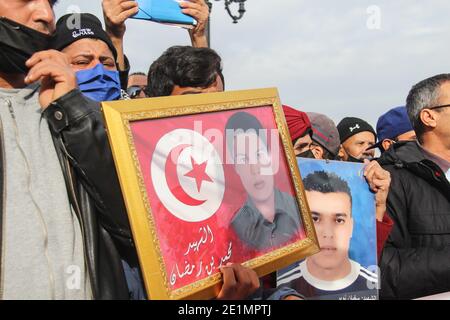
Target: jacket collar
[[405, 152], [409, 156], [444, 164]]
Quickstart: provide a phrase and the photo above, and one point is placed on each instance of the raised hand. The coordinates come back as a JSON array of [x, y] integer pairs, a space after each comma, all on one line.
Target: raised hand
[[53, 70], [379, 181], [116, 12], [199, 10]]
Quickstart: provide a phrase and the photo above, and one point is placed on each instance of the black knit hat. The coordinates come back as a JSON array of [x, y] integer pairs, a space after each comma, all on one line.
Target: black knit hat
[[75, 26], [348, 127]]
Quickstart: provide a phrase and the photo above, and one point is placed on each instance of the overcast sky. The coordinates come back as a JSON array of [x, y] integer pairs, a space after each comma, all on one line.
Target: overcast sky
[[321, 55]]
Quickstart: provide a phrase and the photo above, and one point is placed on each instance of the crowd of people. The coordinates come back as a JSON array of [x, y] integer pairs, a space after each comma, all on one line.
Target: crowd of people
[[61, 200]]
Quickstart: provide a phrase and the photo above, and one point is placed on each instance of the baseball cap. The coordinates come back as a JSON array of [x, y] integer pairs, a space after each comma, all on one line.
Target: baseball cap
[[392, 124], [324, 132], [75, 26]]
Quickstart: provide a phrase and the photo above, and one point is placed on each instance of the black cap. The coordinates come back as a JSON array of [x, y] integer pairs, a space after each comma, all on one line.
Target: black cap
[[75, 26], [349, 126]]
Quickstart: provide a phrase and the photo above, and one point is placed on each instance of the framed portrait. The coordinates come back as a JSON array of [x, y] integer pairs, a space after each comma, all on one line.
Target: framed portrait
[[208, 180], [343, 212]]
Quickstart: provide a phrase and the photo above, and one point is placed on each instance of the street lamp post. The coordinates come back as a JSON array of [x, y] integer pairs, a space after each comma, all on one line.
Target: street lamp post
[[241, 9], [235, 17]]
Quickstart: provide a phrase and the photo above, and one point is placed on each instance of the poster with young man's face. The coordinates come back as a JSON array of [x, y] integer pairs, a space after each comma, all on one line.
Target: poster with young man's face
[[343, 211], [219, 189]]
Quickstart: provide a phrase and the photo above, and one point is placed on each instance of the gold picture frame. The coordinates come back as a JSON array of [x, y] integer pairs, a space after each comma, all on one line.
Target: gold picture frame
[[119, 118]]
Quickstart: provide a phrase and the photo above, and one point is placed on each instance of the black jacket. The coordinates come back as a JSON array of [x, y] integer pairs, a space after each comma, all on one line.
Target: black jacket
[[82, 146], [415, 261]]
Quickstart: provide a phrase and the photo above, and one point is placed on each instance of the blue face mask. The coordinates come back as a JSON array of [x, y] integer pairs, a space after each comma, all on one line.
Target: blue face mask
[[99, 84]]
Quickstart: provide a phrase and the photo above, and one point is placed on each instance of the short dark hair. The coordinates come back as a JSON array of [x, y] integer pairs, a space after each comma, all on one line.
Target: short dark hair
[[423, 95], [243, 121], [326, 182], [184, 66]]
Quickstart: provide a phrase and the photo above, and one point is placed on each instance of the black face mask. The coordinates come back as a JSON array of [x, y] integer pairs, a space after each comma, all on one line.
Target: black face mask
[[353, 159], [17, 44], [307, 154]]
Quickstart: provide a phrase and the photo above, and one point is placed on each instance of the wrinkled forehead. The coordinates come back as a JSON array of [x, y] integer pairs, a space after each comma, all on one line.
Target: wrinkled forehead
[[89, 46], [365, 136], [137, 80]]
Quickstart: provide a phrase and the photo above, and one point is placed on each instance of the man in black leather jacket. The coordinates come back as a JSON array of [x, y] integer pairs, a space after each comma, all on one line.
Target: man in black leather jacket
[[87, 196], [91, 179], [82, 148]]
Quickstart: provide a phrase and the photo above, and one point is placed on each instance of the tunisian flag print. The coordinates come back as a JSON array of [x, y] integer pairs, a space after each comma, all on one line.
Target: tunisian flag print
[[193, 193]]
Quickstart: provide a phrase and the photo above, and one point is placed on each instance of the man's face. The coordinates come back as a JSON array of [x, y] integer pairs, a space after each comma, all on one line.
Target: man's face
[[356, 146], [407, 136], [444, 127], [253, 165], [217, 86], [136, 86], [87, 53], [138, 81], [35, 14], [302, 144], [443, 115], [331, 213]]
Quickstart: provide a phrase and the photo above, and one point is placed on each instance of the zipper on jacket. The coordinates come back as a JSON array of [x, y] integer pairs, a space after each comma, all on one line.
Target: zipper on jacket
[[2, 252], [51, 276], [77, 212]]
